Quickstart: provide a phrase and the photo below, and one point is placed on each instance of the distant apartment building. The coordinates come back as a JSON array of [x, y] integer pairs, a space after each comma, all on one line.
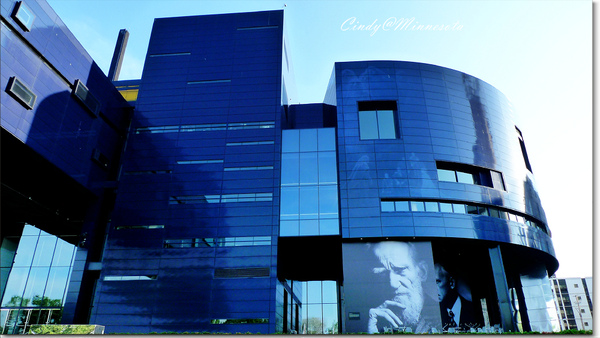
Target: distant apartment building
[[574, 302]]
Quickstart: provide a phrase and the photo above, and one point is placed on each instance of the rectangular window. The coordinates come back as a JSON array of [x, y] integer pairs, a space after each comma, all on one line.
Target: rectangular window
[[469, 174], [24, 16], [200, 162], [249, 143], [21, 93], [129, 278], [377, 120], [432, 207], [387, 206], [402, 206], [446, 175], [169, 54], [255, 28], [125, 227], [497, 180], [445, 207], [89, 101], [209, 81], [417, 206]]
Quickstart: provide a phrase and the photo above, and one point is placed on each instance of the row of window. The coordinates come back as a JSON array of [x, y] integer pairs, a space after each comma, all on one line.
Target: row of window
[[464, 173], [127, 227], [217, 242], [457, 208], [146, 172], [240, 321], [206, 127], [229, 198]]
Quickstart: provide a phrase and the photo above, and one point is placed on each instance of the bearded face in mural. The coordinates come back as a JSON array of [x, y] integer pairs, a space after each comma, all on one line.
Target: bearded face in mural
[[406, 298]]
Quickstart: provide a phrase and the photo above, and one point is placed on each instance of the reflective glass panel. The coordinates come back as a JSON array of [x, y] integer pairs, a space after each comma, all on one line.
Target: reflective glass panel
[[44, 251], [309, 227], [314, 319], [290, 202], [25, 251], [417, 206], [328, 201], [35, 286], [402, 206], [329, 227], [494, 212], [445, 207], [431, 206], [314, 292], [15, 287], [309, 202], [63, 254], [387, 206], [288, 228], [330, 319], [368, 125], [497, 180], [465, 177], [446, 175], [387, 128], [290, 141], [329, 291], [459, 208], [290, 168], [309, 173], [471, 209], [30, 230], [326, 139], [55, 288], [483, 211], [308, 140], [327, 167]]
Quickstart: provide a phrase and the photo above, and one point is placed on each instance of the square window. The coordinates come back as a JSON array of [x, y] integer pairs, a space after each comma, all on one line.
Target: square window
[[482, 211], [465, 177], [417, 206], [471, 209], [494, 212], [445, 207], [459, 208], [432, 206], [402, 206], [24, 16], [377, 120]]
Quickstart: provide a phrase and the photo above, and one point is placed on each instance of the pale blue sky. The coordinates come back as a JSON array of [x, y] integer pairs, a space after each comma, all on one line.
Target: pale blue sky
[[538, 53]]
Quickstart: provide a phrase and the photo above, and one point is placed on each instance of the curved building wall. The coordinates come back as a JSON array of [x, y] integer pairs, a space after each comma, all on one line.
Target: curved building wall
[[444, 118], [431, 156]]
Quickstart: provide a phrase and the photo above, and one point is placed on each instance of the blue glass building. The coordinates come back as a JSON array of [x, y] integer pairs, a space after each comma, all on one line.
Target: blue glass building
[[218, 206]]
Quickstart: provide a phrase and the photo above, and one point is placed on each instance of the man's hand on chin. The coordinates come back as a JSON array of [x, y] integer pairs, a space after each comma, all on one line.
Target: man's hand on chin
[[385, 312]]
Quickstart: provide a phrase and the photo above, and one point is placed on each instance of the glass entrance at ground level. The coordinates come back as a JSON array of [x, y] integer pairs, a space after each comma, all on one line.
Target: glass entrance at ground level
[[35, 268]]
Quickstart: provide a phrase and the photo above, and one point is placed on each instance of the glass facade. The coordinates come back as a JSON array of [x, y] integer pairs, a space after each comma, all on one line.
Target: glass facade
[[309, 200], [320, 307], [36, 279]]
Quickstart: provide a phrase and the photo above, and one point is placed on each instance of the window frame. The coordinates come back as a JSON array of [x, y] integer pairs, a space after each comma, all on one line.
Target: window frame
[[374, 112], [21, 7], [10, 89]]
